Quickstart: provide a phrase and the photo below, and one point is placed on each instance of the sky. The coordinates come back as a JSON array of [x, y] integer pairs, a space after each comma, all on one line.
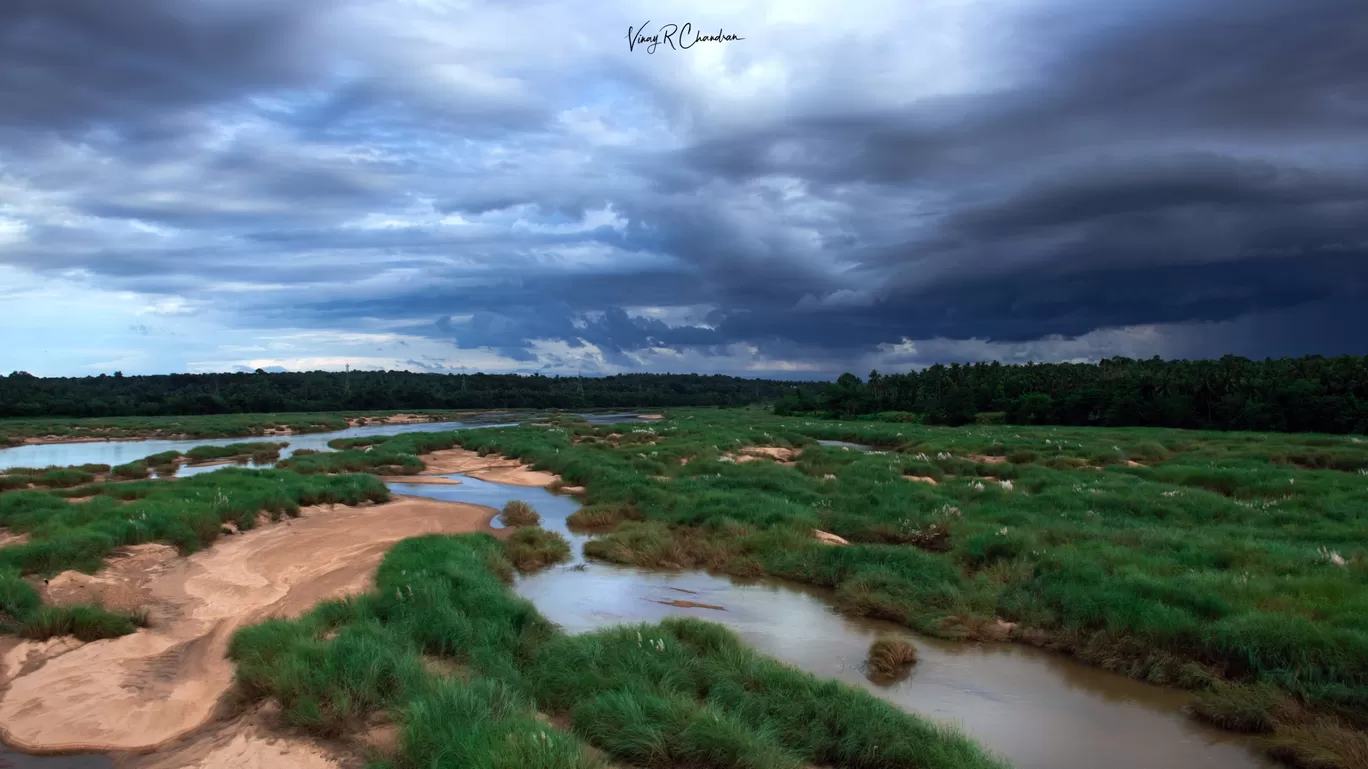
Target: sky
[[516, 186]]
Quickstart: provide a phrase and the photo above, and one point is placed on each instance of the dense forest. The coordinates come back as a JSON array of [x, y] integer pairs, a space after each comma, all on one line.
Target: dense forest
[[24, 395], [1310, 394]]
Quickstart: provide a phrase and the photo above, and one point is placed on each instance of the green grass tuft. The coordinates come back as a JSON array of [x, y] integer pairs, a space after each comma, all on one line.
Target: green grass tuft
[[890, 659], [518, 513], [531, 548]]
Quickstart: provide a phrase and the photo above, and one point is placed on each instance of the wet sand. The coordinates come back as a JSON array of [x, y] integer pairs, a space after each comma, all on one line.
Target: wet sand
[[773, 452], [786, 457], [143, 690], [393, 419], [827, 538], [75, 439], [492, 468], [428, 479], [252, 740], [210, 462], [985, 460]]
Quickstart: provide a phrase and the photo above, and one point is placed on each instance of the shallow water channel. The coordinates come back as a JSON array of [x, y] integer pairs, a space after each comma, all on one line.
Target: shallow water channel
[[1036, 709], [11, 760]]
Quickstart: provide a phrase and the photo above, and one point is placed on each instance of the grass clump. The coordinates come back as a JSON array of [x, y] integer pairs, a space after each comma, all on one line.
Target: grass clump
[[63, 478], [531, 548], [1254, 709], [379, 462], [603, 516], [49, 477], [22, 612], [163, 458], [131, 470], [260, 451], [85, 622], [518, 513], [890, 660]]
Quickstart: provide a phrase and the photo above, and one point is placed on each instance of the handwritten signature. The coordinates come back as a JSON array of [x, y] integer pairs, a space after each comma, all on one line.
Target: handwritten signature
[[637, 36]]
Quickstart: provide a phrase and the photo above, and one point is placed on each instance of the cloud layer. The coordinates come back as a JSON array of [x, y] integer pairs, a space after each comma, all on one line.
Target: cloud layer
[[432, 184]]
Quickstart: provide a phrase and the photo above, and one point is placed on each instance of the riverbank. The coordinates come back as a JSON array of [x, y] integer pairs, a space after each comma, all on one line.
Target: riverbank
[[140, 691]]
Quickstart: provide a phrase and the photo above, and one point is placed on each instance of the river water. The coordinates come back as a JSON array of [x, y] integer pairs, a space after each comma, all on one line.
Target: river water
[[1036, 709]]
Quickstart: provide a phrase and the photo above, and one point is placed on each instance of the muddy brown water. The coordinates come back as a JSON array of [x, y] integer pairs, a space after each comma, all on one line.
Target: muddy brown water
[[1036, 709]]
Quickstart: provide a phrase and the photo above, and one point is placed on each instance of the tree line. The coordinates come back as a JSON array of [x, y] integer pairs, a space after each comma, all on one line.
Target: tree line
[[1308, 394], [25, 395]]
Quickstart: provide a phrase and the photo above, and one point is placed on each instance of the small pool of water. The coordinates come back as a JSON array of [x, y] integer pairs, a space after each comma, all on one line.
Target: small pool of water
[[1037, 709], [845, 445], [11, 760]]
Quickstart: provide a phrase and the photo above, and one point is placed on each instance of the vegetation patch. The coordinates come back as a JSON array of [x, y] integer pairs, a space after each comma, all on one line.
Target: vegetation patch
[[890, 660], [518, 513], [678, 693], [22, 613], [603, 516], [531, 548], [131, 471], [260, 452], [189, 513]]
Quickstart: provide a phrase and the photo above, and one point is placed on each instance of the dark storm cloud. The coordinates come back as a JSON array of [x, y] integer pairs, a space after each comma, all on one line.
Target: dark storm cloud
[[1141, 163], [1222, 133], [70, 64], [1106, 189]]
